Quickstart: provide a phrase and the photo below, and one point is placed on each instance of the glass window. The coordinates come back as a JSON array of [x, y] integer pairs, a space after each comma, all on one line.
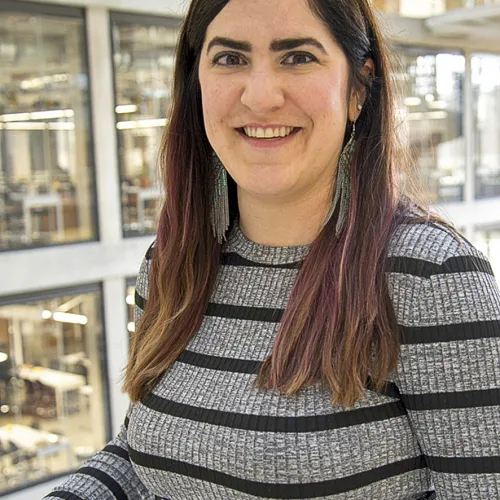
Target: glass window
[[143, 52], [488, 241], [425, 8], [51, 385], [411, 8], [431, 119], [46, 179], [486, 90]]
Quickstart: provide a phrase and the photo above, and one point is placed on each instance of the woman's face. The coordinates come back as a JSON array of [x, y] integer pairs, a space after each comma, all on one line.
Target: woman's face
[[266, 68]]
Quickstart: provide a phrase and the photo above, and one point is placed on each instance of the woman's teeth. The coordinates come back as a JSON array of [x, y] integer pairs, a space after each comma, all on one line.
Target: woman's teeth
[[268, 133]]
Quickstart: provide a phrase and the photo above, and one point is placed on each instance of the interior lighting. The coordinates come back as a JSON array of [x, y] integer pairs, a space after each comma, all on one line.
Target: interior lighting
[[61, 126], [51, 114], [126, 108], [25, 126], [77, 319], [436, 115], [438, 105], [4, 409], [131, 327], [3, 357], [127, 125], [130, 300], [46, 314], [15, 117], [429, 98], [413, 101], [38, 115]]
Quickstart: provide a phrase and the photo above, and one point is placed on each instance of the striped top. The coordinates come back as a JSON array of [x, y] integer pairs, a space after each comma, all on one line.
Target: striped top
[[204, 432]]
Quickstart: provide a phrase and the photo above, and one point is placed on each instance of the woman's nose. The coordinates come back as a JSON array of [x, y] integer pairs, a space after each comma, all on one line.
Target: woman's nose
[[263, 92]]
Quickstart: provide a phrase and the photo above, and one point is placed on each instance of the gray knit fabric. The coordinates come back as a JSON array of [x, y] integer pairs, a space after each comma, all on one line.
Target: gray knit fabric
[[206, 433]]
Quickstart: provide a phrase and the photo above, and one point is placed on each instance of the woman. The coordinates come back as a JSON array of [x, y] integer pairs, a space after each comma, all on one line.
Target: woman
[[304, 331]]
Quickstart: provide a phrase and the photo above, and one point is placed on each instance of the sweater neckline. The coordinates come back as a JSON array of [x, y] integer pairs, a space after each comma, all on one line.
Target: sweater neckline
[[238, 243]]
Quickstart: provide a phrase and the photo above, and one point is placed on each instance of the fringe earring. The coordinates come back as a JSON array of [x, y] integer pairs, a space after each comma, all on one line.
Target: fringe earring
[[343, 185], [219, 215]]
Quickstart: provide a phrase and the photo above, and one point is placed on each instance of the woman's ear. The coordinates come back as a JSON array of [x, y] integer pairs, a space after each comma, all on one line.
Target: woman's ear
[[358, 94]]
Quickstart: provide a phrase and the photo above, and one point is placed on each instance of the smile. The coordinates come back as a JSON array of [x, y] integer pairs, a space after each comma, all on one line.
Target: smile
[[268, 132]]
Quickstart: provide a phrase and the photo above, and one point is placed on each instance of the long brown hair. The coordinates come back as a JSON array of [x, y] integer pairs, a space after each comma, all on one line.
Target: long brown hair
[[339, 326]]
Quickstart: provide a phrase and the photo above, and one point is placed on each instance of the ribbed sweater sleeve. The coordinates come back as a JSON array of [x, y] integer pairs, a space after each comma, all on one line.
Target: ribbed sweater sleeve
[[109, 474], [449, 366]]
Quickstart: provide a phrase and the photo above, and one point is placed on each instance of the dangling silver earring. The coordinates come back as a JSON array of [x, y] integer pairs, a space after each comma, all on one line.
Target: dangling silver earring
[[342, 188], [219, 216]]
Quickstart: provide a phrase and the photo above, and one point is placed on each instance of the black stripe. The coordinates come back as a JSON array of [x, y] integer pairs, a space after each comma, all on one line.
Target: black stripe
[[447, 400], [244, 312], [222, 364], [266, 423], [149, 252], [252, 367], [140, 301], [105, 479], [272, 490], [233, 259], [467, 264], [464, 465], [65, 495], [117, 450], [410, 265], [426, 269], [450, 333], [127, 421]]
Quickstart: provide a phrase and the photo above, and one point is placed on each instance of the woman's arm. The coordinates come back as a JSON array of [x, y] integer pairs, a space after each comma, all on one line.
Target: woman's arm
[[449, 368]]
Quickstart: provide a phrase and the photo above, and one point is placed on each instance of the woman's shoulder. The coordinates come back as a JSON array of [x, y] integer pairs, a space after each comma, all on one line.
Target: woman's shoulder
[[430, 241]]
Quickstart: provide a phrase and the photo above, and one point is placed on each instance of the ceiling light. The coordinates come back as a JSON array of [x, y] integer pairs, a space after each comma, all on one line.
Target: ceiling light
[[127, 125], [38, 115], [438, 105], [413, 101], [126, 108], [25, 126], [62, 317]]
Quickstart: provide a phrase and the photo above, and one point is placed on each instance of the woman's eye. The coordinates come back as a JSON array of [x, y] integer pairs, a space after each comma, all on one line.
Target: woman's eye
[[299, 59], [227, 60]]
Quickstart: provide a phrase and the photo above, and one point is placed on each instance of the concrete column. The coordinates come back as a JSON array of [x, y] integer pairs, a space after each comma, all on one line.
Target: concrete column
[[105, 144]]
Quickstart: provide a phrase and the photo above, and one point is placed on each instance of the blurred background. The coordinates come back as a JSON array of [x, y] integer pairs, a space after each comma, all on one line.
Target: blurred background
[[84, 89]]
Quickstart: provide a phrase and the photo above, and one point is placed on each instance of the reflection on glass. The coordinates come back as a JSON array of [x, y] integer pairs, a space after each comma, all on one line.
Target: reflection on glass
[[486, 89], [45, 177], [431, 119], [130, 299], [143, 63], [51, 389]]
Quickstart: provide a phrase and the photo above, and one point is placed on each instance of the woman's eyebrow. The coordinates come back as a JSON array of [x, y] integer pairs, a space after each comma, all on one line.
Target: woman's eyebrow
[[278, 45]]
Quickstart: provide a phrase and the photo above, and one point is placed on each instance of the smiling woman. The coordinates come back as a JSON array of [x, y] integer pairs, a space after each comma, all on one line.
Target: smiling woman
[[304, 330]]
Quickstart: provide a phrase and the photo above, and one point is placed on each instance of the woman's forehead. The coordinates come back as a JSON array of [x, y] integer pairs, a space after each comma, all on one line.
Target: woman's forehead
[[262, 21]]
